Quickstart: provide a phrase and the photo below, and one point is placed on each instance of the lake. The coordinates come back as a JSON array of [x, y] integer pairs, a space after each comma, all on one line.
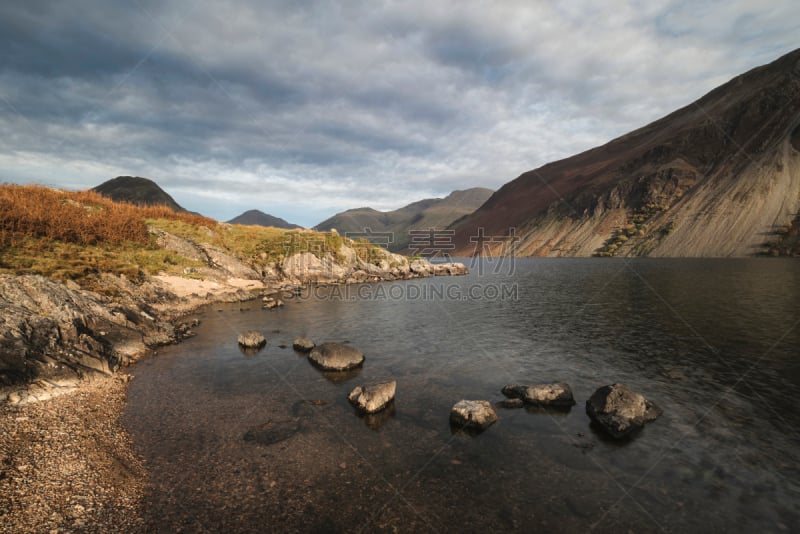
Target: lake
[[715, 343]]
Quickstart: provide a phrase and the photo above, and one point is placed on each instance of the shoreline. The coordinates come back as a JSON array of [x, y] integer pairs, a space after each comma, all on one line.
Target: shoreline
[[67, 462]]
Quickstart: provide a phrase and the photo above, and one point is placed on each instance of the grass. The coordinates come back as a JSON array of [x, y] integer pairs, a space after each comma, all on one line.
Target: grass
[[80, 217], [73, 235]]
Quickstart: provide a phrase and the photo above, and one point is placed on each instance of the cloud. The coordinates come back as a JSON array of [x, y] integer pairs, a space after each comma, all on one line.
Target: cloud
[[302, 111]]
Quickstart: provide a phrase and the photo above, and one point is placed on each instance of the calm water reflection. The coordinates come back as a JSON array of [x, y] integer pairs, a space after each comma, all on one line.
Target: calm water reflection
[[713, 342]]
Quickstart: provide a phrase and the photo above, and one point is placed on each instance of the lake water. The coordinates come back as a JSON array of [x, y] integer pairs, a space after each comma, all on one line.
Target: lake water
[[715, 343]]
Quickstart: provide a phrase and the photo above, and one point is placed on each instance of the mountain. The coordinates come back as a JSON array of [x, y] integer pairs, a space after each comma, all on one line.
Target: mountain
[[719, 177], [425, 214], [136, 190], [259, 218]]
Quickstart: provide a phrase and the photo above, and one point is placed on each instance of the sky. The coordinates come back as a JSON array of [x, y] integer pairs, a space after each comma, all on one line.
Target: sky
[[304, 109]]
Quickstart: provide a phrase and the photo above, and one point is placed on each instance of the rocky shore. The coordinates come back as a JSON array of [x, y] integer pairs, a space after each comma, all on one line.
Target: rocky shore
[[66, 463]]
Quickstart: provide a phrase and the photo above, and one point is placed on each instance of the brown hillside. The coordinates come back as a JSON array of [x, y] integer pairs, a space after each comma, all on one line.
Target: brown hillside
[[715, 178]]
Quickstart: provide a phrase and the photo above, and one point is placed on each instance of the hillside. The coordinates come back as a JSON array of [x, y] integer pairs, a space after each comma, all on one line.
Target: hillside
[[136, 190], [719, 177], [421, 215], [259, 218], [86, 283]]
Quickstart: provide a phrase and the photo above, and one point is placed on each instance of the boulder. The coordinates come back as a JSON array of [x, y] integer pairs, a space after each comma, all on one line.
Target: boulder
[[373, 398], [473, 414], [556, 394], [335, 357], [302, 344], [620, 410], [252, 340]]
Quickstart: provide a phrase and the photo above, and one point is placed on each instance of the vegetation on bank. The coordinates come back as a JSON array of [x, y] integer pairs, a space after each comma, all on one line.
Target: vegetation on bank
[[71, 235]]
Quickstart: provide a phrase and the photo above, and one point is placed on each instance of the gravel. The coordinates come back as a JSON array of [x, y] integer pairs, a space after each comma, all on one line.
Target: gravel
[[67, 465]]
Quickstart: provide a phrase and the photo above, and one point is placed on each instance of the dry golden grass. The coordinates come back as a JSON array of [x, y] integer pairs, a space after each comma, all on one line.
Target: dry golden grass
[[69, 235], [80, 217], [73, 235]]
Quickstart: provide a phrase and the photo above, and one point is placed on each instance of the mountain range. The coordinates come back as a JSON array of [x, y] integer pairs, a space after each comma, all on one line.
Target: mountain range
[[391, 228], [719, 177]]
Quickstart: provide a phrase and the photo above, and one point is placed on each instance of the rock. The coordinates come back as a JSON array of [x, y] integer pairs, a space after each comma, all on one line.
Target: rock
[[473, 414], [449, 269], [556, 394], [619, 410], [219, 259], [421, 268], [336, 357], [373, 398], [273, 431], [510, 403], [306, 267], [271, 302], [252, 340], [302, 344], [51, 331]]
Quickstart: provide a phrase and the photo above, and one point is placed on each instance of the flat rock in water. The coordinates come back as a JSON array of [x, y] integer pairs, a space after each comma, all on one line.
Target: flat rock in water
[[336, 357], [473, 414], [620, 410], [373, 398], [303, 344], [272, 431], [555, 394], [252, 339]]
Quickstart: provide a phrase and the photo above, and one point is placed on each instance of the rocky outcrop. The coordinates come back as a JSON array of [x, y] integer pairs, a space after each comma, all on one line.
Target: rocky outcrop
[[303, 344], [449, 269], [619, 410], [306, 267], [218, 261], [556, 394], [336, 357], [252, 339], [373, 398], [54, 335], [346, 266], [472, 415]]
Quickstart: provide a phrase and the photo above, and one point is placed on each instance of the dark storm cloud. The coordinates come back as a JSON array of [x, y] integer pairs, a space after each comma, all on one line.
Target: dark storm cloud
[[301, 109]]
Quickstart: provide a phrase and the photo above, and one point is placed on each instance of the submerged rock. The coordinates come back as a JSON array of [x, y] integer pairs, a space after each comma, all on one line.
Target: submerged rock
[[303, 344], [373, 398], [473, 414], [273, 431], [336, 357], [556, 394], [510, 403], [620, 410], [252, 340]]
